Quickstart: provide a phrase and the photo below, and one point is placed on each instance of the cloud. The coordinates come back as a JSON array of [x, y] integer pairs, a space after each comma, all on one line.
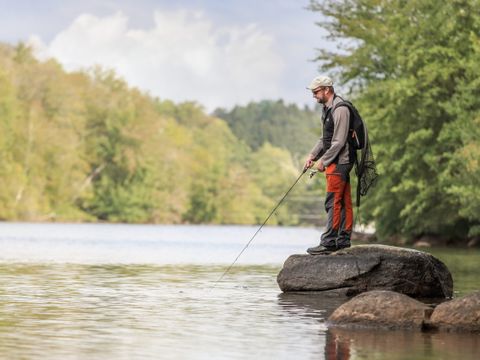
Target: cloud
[[183, 56]]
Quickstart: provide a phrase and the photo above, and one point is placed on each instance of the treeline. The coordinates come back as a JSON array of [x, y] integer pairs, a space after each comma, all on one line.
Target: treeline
[[87, 147], [284, 126], [413, 67]]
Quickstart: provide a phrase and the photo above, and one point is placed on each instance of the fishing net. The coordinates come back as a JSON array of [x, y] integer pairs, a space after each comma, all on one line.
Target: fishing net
[[366, 171]]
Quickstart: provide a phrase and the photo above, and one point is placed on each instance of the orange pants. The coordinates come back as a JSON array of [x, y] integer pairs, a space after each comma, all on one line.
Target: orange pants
[[338, 205]]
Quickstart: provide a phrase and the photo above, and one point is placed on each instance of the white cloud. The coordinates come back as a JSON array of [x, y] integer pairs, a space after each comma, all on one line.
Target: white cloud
[[184, 56]]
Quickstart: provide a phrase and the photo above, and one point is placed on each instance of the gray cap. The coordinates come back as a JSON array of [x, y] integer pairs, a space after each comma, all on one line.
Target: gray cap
[[320, 81]]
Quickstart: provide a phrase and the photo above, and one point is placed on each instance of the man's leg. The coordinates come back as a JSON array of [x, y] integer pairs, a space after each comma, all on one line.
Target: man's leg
[[344, 235], [333, 208], [330, 234], [343, 239]]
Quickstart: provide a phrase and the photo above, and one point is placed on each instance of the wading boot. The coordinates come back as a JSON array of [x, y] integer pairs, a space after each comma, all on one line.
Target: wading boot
[[321, 250]]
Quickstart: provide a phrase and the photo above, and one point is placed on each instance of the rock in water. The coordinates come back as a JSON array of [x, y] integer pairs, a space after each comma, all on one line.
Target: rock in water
[[462, 314], [368, 267], [386, 309]]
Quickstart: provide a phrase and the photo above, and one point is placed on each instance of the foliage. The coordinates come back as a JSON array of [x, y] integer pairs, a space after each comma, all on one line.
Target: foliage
[[86, 147], [274, 122], [412, 67], [266, 126]]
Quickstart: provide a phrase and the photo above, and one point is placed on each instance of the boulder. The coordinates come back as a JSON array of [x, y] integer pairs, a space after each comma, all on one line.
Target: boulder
[[385, 309], [368, 267], [462, 314]]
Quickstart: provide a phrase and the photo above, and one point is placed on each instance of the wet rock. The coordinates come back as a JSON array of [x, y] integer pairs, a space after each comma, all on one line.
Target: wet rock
[[386, 309], [432, 240], [474, 242], [462, 314], [364, 237], [368, 267], [420, 244]]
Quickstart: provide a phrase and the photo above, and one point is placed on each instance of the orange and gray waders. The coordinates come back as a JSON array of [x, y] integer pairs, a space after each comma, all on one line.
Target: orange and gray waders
[[338, 205]]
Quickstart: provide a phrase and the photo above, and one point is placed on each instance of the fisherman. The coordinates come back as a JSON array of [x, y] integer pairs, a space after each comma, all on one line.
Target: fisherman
[[334, 157]]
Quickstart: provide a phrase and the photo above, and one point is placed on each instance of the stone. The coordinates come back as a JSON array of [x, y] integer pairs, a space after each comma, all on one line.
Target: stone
[[379, 308], [422, 244], [474, 242], [368, 267], [462, 314]]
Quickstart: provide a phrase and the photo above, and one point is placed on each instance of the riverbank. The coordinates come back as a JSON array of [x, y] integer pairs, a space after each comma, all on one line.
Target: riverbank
[[423, 241]]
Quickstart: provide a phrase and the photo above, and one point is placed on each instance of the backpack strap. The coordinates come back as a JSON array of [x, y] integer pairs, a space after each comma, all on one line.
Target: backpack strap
[[351, 154], [345, 103]]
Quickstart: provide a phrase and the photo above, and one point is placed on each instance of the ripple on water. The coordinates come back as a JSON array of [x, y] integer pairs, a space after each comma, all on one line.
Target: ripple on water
[[113, 310], [96, 296]]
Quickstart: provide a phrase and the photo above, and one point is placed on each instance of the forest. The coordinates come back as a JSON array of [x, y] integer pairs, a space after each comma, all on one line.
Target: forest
[[86, 146]]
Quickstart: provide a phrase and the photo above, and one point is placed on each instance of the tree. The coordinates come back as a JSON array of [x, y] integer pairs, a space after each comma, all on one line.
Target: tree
[[274, 122], [42, 166], [86, 146], [461, 175], [408, 64]]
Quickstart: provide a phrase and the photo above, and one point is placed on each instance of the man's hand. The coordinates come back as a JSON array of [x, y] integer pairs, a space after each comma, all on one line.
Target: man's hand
[[320, 166], [309, 162]]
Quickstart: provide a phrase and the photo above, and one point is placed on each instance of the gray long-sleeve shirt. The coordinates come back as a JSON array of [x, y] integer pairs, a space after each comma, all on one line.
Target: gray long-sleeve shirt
[[341, 123]]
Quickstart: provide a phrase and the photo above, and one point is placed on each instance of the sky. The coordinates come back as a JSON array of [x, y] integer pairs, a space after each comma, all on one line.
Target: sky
[[217, 53]]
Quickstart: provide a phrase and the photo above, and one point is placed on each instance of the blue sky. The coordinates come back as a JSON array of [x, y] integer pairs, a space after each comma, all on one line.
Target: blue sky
[[219, 53]]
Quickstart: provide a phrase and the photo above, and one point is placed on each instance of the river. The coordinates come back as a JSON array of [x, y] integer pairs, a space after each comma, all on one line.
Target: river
[[101, 291]]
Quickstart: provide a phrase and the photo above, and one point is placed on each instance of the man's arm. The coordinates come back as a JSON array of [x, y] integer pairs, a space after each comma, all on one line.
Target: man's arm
[[317, 150], [315, 154]]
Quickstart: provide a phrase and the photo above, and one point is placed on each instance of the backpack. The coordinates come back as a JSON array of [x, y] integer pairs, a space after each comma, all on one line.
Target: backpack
[[365, 167], [358, 137]]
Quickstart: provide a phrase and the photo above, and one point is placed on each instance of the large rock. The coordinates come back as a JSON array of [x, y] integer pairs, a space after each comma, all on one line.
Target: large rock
[[386, 309], [368, 267], [462, 314]]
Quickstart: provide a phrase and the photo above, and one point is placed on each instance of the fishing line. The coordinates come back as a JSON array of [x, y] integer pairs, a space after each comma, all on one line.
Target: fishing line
[[260, 228]]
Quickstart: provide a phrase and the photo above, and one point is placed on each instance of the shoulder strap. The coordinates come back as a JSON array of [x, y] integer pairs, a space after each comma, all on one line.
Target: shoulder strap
[[348, 105], [345, 103]]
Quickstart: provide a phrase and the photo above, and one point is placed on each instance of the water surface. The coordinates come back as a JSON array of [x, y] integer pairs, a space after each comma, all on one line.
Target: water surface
[[137, 291]]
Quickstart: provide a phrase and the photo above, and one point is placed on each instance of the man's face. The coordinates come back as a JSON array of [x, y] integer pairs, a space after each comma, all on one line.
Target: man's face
[[320, 94]]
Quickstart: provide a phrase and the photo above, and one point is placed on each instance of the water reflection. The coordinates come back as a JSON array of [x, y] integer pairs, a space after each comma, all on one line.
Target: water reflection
[[314, 304], [58, 311], [128, 292], [343, 344], [362, 343]]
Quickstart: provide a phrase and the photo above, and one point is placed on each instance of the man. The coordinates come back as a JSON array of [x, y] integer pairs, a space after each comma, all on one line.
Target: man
[[336, 159]]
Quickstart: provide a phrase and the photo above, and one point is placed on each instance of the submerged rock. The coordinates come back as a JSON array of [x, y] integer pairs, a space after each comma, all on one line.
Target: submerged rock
[[386, 309], [368, 267], [462, 314]]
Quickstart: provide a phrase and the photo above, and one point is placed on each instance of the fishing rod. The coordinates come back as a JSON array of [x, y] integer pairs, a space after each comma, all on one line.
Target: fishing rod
[[260, 228]]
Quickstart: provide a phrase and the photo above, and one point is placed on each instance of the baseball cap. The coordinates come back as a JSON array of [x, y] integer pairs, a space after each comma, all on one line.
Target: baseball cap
[[320, 81]]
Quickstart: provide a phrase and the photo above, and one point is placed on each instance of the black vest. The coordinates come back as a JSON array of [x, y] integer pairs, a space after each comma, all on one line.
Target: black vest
[[328, 129]]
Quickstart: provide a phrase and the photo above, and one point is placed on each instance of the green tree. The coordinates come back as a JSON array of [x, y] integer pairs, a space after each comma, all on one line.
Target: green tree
[[274, 122], [461, 174], [409, 64], [122, 183], [42, 167], [10, 170], [85, 146]]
